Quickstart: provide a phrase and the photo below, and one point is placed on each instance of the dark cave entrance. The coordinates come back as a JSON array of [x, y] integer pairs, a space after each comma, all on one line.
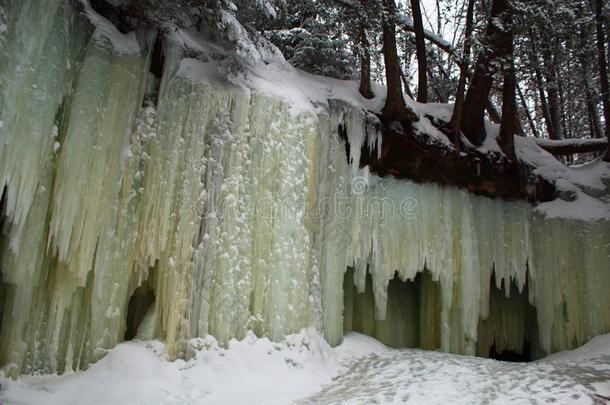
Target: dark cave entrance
[[3, 206], [510, 331], [412, 317], [155, 68], [157, 59], [141, 300], [511, 355]]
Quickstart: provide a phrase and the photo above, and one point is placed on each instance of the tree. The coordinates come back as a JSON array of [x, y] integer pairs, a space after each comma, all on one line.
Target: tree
[[395, 107], [603, 70], [363, 10], [593, 115], [456, 117], [309, 36], [549, 62], [473, 122], [557, 70], [508, 125], [365, 66], [422, 66], [541, 90]]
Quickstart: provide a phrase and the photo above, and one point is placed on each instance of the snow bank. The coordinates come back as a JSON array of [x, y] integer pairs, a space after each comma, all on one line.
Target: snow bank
[[303, 368], [583, 190], [597, 347], [303, 92], [248, 371]]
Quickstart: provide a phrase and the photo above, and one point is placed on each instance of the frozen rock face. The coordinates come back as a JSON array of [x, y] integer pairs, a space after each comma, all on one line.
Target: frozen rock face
[[193, 206], [395, 228]]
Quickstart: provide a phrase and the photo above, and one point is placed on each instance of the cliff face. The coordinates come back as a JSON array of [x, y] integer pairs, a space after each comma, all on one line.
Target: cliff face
[[189, 204]]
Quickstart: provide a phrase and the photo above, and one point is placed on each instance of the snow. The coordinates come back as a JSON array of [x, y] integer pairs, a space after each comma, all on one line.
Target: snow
[[303, 91], [583, 208], [588, 176], [408, 23], [570, 142], [122, 43], [198, 71], [306, 92], [249, 371], [437, 110], [597, 347], [588, 183], [193, 39], [304, 369], [490, 143]]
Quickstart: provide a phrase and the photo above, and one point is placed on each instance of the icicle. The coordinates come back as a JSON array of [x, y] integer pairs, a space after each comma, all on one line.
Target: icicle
[[33, 77], [463, 239]]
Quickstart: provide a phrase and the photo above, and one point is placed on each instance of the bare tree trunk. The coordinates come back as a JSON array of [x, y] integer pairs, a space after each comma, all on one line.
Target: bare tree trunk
[[530, 120], [508, 125], [439, 18], [405, 83], [420, 43], [395, 107], [365, 66], [440, 96], [544, 105], [473, 119], [607, 24], [456, 117], [596, 125], [552, 87], [494, 115], [603, 70], [562, 100], [596, 131], [541, 88]]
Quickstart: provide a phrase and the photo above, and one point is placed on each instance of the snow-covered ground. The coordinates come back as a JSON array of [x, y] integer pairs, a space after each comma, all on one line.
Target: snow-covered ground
[[304, 369]]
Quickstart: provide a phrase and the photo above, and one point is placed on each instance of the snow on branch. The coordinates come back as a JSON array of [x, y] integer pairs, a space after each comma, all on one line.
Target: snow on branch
[[404, 22], [570, 146], [407, 24]]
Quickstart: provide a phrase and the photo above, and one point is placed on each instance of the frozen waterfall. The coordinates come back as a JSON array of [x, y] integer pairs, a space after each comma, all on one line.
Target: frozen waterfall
[[187, 205]]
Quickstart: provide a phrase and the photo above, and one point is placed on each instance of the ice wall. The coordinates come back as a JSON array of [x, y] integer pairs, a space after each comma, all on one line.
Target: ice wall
[[67, 117], [396, 226], [203, 196], [238, 212]]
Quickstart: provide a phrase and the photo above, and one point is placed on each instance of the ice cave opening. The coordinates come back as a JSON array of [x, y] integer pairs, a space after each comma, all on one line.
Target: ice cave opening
[[2, 206], [157, 59], [412, 317], [140, 303], [509, 332]]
